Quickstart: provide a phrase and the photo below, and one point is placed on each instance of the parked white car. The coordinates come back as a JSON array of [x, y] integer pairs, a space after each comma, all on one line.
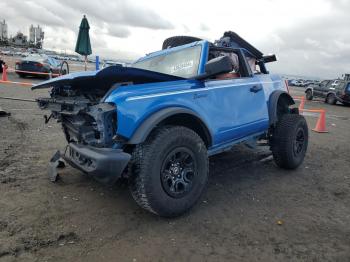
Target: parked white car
[[335, 83]]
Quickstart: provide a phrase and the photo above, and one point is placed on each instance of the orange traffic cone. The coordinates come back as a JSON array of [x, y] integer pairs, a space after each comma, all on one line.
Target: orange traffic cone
[[4, 73], [321, 122], [302, 103]]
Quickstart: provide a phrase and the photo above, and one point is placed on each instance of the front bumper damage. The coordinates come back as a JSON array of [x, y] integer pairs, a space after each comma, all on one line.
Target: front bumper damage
[[90, 130], [105, 165]]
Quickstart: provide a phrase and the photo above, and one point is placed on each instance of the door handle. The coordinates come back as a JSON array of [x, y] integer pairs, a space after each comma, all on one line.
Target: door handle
[[255, 89]]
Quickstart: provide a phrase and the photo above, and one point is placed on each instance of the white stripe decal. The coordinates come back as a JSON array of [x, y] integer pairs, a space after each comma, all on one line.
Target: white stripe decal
[[195, 90]]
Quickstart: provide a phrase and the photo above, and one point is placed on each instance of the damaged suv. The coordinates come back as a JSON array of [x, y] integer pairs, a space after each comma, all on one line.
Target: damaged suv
[[157, 122]]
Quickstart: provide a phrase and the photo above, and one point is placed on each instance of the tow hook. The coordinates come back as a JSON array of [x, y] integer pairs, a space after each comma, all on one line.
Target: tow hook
[[55, 162]]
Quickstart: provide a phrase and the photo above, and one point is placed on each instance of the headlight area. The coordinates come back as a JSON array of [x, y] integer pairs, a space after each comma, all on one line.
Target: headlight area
[[96, 125], [91, 149]]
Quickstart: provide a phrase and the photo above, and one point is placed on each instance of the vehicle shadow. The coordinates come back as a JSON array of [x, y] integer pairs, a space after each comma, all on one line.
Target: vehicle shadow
[[228, 170]]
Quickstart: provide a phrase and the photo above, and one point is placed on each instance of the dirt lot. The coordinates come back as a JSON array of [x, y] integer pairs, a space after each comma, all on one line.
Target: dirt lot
[[77, 219]]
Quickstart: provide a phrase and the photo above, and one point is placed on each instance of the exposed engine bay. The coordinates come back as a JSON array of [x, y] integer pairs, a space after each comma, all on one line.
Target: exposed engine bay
[[77, 101], [83, 121]]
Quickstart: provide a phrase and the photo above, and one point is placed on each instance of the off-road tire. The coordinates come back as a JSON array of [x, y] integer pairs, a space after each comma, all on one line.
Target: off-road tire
[[284, 143], [309, 95], [146, 164], [178, 41], [331, 99]]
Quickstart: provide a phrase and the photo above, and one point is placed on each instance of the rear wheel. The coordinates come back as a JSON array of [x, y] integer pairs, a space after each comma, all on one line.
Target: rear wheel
[[330, 99], [179, 40], [169, 172], [289, 141], [64, 69], [309, 95]]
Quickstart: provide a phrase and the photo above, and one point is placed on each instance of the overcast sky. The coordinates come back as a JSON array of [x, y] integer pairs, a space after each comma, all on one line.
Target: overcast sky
[[310, 37]]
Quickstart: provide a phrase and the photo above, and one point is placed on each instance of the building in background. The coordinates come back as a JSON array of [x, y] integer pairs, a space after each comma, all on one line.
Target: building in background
[[35, 40], [31, 34], [36, 36], [19, 40], [3, 31]]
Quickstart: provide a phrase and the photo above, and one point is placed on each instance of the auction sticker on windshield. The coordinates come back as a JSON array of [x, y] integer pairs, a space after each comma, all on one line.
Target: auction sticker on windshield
[[182, 66]]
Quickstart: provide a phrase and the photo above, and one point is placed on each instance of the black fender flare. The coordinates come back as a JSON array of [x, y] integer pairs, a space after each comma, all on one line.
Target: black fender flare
[[273, 101], [331, 92], [309, 88], [142, 132]]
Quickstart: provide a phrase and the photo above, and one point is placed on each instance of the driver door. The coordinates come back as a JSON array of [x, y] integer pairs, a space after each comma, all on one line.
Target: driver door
[[320, 89], [237, 108]]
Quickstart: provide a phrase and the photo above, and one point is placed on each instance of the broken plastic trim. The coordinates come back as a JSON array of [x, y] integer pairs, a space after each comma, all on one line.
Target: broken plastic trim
[[53, 164]]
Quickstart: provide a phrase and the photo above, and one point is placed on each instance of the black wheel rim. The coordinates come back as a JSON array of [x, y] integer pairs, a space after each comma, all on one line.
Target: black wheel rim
[[299, 142], [178, 172]]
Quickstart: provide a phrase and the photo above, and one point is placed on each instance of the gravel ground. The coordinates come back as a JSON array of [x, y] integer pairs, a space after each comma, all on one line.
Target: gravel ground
[[251, 211]]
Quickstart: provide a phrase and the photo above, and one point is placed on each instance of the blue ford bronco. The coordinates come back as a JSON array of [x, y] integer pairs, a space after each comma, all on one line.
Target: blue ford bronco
[[158, 121]]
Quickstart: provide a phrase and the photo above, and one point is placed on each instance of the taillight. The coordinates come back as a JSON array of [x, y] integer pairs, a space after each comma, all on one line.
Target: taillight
[[39, 65], [287, 86], [18, 62]]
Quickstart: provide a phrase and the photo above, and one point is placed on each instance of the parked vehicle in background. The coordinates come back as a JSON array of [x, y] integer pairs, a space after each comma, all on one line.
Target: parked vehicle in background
[[330, 92], [289, 81], [91, 60], [38, 66], [336, 82], [107, 63], [25, 54], [299, 82], [7, 52], [311, 82], [2, 62]]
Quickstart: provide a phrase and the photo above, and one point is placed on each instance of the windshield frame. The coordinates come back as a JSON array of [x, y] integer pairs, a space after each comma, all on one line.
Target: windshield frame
[[202, 57]]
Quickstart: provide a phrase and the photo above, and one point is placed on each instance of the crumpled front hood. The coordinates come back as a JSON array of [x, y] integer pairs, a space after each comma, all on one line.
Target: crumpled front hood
[[105, 78]]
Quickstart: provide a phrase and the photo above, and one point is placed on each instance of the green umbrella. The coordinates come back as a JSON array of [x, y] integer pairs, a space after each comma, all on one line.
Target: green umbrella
[[83, 46]]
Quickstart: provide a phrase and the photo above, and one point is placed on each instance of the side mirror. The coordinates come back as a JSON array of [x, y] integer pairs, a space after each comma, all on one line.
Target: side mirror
[[216, 66]]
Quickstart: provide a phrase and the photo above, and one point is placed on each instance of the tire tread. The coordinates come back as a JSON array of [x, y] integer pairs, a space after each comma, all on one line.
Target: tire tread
[[141, 159], [281, 145]]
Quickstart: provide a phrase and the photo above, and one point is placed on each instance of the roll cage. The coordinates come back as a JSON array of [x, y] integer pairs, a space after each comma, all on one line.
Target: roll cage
[[242, 53]]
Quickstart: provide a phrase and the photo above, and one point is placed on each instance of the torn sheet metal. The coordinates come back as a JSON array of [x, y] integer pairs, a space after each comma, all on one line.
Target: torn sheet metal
[[55, 162]]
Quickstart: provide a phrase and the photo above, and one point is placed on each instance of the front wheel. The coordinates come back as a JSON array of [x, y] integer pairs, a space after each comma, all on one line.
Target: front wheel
[[289, 141], [309, 95], [331, 99], [169, 172]]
